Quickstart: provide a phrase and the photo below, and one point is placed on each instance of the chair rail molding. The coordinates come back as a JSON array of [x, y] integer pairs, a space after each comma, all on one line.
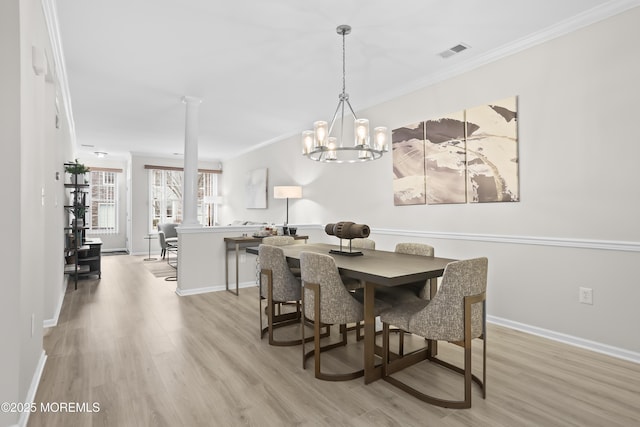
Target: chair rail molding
[[613, 245]]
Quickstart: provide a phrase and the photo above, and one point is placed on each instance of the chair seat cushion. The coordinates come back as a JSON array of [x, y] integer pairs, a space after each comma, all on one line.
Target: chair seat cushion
[[379, 305], [397, 295], [351, 284], [400, 314]]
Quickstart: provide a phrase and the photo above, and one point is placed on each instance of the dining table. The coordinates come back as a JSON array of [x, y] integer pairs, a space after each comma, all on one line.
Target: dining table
[[376, 269]]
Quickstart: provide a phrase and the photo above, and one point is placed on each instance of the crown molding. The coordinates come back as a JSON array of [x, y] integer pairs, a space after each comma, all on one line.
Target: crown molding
[[584, 19], [49, 9]]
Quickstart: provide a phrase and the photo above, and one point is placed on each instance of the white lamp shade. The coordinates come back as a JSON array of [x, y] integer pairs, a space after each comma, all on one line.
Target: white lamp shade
[[287, 192]]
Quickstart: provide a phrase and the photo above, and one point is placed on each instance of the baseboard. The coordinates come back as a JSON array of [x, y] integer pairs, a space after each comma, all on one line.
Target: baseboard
[[609, 350], [106, 251], [216, 288], [33, 388], [49, 323]]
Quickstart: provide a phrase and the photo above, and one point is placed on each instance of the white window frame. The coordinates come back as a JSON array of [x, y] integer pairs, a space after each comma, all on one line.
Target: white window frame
[[95, 202], [207, 187]]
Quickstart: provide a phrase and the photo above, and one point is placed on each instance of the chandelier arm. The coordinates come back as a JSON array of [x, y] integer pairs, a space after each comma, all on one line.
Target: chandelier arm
[[342, 124], [335, 115], [351, 108]]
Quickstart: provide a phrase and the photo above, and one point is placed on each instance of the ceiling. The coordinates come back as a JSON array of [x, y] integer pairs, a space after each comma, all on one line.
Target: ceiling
[[268, 69]]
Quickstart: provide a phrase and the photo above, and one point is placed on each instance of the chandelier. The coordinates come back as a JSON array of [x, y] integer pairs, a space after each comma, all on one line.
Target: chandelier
[[319, 144]]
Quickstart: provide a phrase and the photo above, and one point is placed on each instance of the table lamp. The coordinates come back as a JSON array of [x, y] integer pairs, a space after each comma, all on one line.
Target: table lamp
[[287, 192]]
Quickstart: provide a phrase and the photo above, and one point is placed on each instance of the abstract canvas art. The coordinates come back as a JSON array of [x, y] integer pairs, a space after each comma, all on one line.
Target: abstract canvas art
[[470, 156], [256, 189], [407, 145], [445, 160], [492, 152]]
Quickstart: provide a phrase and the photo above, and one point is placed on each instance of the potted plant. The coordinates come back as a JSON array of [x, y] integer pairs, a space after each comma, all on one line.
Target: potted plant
[[77, 171]]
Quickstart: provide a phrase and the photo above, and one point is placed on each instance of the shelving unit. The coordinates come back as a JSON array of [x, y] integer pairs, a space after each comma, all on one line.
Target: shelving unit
[[82, 255]]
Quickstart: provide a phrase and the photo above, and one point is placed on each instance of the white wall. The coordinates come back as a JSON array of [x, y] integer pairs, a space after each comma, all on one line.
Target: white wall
[[578, 156], [10, 135], [32, 259]]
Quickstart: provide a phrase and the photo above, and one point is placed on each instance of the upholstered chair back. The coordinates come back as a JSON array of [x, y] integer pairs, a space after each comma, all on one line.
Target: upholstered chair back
[[363, 243], [415, 249], [286, 287], [337, 305], [443, 317], [169, 230], [278, 240]]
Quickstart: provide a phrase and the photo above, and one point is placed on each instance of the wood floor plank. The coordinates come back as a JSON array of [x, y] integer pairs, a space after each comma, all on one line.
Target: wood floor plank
[[151, 358]]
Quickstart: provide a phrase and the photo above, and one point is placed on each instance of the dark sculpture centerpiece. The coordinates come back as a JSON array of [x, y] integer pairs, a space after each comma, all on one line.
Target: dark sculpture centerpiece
[[347, 230]]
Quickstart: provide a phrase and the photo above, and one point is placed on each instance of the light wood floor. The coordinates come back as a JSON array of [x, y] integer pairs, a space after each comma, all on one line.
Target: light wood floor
[[151, 358]]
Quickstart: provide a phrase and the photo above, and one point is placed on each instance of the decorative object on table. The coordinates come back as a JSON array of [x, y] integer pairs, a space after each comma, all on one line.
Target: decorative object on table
[[264, 232], [347, 230], [256, 189], [293, 231], [470, 156], [319, 145], [287, 192], [77, 171]]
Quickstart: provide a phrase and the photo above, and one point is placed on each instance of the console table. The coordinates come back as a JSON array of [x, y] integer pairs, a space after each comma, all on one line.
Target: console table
[[234, 244]]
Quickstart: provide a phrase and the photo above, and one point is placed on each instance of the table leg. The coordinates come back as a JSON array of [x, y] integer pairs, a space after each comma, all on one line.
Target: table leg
[[371, 372], [237, 268], [432, 345], [226, 268], [149, 256]]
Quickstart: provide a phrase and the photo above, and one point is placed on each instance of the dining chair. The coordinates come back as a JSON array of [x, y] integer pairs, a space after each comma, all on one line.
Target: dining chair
[[420, 289], [411, 292], [168, 236], [456, 314], [277, 285], [326, 301], [361, 243], [278, 240]]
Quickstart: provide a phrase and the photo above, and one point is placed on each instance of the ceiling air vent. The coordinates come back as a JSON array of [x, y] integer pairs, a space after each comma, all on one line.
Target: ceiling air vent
[[453, 50]]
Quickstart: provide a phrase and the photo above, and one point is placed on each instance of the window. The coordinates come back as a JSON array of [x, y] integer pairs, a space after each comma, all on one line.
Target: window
[[165, 193], [103, 202]]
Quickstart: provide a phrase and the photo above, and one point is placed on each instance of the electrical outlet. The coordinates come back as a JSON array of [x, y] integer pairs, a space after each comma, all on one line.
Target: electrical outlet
[[585, 296]]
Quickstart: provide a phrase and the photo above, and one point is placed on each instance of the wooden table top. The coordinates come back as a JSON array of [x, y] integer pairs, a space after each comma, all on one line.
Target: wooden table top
[[380, 267], [251, 239]]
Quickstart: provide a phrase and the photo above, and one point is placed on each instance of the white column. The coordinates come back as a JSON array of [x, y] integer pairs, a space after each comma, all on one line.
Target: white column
[[190, 186]]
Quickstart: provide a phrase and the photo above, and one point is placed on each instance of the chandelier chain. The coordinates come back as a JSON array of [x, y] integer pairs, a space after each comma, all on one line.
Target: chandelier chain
[[344, 60]]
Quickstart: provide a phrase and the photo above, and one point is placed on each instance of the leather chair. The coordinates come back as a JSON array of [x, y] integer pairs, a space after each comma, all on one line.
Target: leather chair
[[456, 314], [168, 236], [326, 301]]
